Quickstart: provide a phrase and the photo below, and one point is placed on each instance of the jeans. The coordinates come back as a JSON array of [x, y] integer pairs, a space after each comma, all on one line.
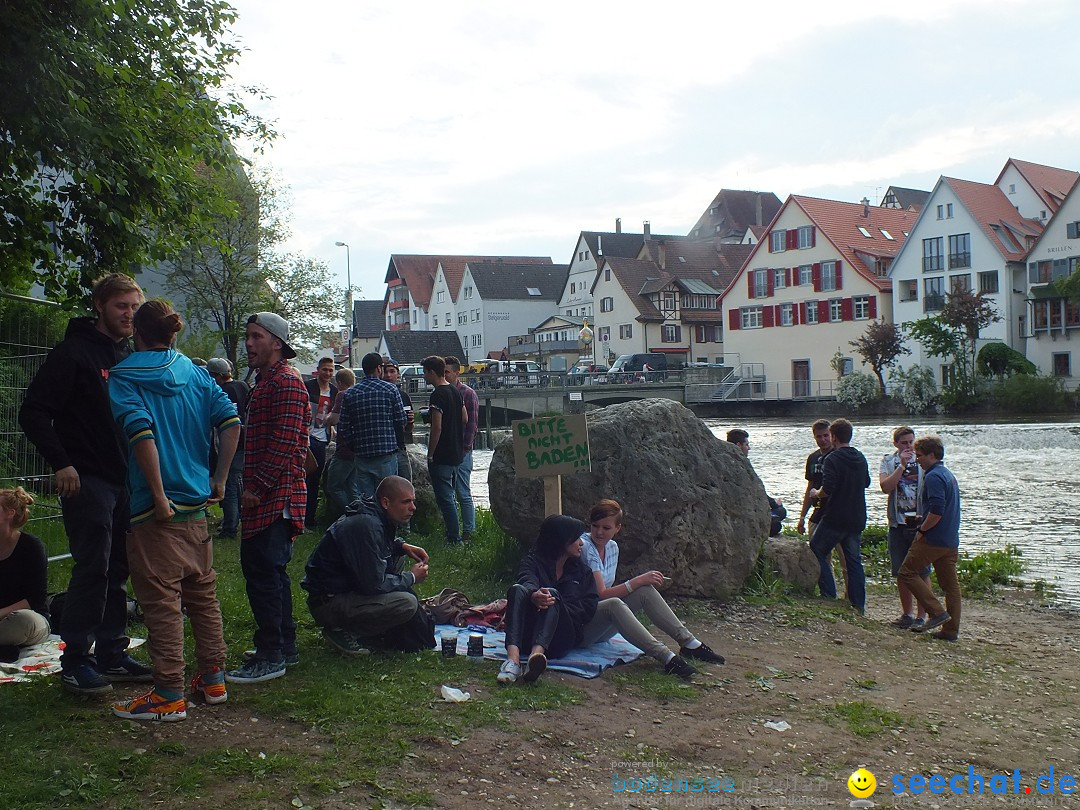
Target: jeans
[[825, 539], [230, 504], [263, 559], [527, 625], [370, 470], [443, 478], [404, 466], [318, 450], [341, 484], [462, 482], [96, 522]]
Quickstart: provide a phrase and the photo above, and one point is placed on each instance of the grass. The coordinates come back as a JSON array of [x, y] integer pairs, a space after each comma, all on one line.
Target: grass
[[863, 719]]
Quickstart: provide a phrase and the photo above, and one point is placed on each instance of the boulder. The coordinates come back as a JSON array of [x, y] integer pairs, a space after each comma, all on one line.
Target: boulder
[[428, 519], [695, 508], [791, 559]]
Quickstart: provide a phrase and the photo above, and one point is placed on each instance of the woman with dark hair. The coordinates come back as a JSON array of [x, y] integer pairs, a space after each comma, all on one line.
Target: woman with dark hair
[[552, 601]]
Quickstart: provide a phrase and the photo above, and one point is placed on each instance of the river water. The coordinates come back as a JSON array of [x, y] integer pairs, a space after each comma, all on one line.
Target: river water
[[1019, 482]]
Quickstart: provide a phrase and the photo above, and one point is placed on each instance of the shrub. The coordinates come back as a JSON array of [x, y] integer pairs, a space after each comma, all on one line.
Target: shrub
[[1000, 360], [916, 388], [1024, 393], [857, 389], [982, 573]]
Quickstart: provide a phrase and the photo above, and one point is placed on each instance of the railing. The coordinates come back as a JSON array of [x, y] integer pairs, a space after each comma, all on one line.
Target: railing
[[760, 390], [931, 264], [933, 303]]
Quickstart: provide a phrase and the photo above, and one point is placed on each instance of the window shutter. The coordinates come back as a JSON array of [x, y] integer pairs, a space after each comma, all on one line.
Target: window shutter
[[1033, 272], [788, 273], [822, 311], [873, 307], [1070, 230], [798, 313], [813, 237], [733, 319], [768, 238], [750, 283], [767, 316], [815, 273], [771, 281], [678, 333], [839, 280], [846, 310], [792, 239]]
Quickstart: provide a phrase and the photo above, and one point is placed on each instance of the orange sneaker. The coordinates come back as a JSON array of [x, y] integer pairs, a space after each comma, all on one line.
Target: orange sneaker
[[152, 706], [211, 692]]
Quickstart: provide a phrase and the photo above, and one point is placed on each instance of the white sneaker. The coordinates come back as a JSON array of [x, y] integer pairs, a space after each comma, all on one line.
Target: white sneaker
[[509, 672]]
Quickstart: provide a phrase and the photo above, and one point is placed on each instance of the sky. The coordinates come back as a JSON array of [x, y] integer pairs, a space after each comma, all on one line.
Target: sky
[[493, 128]]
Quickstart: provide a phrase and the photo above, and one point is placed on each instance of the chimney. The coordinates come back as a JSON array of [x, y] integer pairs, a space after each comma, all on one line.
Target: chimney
[[757, 209], [661, 254], [648, 230], [618, 224], [600, 244], [865, 206]]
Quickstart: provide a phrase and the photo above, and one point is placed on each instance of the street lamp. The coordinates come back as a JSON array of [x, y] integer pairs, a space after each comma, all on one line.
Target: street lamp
[[348, 280]]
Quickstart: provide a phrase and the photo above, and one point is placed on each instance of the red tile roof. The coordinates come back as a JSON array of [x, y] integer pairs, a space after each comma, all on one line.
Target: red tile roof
[[1050, 183], [989, 206], [418, 272], [633, 275]]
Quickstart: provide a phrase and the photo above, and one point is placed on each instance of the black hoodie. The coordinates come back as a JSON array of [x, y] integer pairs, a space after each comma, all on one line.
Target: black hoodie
[[66, 411], [845, 477]]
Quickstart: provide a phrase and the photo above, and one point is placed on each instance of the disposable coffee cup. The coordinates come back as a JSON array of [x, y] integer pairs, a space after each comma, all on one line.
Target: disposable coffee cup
[[475, 646], [911, 519], [449, 645]]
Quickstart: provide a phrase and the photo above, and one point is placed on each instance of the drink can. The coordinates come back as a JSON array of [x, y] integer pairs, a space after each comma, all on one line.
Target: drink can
[[449, 644], [476, 645]]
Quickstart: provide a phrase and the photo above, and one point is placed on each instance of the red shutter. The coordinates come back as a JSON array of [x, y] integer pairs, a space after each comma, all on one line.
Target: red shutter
[[788, 274], [778, 318], [733, 319], [767, 316], [792, 239], [822, 311], [815, 273], [846, 310], [839, 280], [813, 237], [873, 306], [802, 312], [771, 279], [750, 283]]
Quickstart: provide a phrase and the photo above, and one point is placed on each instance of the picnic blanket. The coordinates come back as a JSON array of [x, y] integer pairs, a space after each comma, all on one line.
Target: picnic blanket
[[585, 662], [39, 660]]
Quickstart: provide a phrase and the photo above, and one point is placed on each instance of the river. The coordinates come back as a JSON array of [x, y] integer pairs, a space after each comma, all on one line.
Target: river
[[1019, 482]]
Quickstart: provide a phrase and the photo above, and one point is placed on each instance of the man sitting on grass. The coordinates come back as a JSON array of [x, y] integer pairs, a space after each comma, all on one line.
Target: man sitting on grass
[[355, 591]]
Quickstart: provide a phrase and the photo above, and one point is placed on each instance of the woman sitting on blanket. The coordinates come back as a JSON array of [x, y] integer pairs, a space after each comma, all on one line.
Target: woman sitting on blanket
[[552, 601], [24, 614], [620, 602]]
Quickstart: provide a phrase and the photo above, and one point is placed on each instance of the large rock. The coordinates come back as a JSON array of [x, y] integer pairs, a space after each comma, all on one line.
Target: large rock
[[791, 559], [695, 509]]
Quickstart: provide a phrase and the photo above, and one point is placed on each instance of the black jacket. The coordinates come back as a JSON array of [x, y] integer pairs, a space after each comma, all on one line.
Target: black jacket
[[577, 586], [66, 411], [845, 477]]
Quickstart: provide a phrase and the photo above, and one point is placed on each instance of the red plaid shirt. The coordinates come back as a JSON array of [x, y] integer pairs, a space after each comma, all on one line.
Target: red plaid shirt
[[275, 447]]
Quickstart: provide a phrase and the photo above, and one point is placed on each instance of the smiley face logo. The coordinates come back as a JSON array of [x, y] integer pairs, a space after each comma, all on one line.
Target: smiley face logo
[[862, 784]]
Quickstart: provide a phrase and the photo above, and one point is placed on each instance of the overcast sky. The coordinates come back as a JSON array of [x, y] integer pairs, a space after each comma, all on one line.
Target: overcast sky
[[506, 128]]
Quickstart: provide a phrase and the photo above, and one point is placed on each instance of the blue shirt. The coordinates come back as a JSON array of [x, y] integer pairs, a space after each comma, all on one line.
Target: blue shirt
[[941, 496], [591, 557], [370, 412]]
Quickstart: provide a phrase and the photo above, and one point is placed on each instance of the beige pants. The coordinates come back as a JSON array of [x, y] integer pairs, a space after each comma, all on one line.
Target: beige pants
[[23, 628], [617, 616]]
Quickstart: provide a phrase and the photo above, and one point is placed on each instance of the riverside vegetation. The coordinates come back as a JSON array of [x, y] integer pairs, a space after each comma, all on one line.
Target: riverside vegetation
[[372, 732]]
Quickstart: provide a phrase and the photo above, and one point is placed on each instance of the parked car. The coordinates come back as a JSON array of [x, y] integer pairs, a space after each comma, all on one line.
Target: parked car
[[412, 378], [587, 373], [645, 367]]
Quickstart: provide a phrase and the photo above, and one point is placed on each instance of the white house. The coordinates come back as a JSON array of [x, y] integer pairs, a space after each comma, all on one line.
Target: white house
[[1034, 190], [810, 287], [968, 236], [1052, 321]]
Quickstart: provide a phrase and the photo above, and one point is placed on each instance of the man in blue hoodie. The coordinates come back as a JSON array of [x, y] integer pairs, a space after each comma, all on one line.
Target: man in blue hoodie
[[168, 407]]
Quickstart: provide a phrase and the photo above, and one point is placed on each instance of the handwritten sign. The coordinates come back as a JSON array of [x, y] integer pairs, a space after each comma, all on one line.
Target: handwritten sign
[[551, 445]]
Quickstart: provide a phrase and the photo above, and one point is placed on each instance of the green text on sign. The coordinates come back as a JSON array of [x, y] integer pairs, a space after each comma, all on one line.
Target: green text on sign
[[551, 445]]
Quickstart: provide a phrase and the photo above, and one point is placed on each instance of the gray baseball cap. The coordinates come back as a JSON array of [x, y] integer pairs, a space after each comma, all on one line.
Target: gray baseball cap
[[276, 326], [219, 365]]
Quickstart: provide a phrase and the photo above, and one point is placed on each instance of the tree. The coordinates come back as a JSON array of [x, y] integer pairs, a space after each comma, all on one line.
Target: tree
[[880, 347], [112, 113], [969, 313]]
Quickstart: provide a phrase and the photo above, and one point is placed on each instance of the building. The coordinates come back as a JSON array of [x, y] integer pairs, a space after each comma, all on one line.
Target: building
[[1034, 190], [809, 288], [554, 344], [409, 346], [367, 328], [908, 199], [731, 215]]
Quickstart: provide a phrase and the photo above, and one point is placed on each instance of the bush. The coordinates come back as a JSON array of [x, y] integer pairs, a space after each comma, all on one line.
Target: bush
[[857, 389], [982, 573], [1000, 360], [916, 388], [1024, 393]]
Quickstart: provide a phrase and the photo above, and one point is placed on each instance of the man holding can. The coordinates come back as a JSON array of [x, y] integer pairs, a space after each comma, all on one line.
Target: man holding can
[[357, 591]]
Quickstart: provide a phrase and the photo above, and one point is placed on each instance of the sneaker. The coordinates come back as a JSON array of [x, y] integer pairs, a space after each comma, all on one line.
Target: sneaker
[[83, 679], [702, 652], [256, 670], [678, 666], [291, 659], [537, 665], [916, 624], [152, 706], [905, 622], [344, 642], [933, 622], [127, 670], [509, 672], [211, 692]]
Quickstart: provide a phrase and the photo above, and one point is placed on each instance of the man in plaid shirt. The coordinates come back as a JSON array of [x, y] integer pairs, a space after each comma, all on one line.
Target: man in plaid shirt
[[275, 495], [371, 413]]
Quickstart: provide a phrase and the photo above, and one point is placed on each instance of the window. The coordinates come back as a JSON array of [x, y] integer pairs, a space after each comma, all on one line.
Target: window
[[948, 211], [533, 291], [439, 297], [941, 212], [777, 241], [887, 235], [779, 278], [786, 316], [836, 310], [1012, 188], [933, 294], [847, 365], [626, 331], [961, 283], [861, 307], [607, 304], [988, 281], [806, 236], [865, 232], [604, 333], [434, 320], [468, 291], [670, 333], [668, 300], [581, 256], [1072, 230], [811, 311], [607, 274], [586, 254], [960, 250], [447, 321], [806, 274], [476, 316], [750, 317], [909, 289], [463, 317], [414, 316], [761, 283], [931, 255], [476, 340], [828, 276], [707, 334]]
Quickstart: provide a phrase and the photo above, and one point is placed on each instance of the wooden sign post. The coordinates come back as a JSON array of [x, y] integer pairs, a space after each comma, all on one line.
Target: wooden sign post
[[550, 447]]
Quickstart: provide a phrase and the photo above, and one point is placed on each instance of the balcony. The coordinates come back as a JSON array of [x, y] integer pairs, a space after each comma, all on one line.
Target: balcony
[[932, 263], [933, 302], [401, 304], [959, 260], [399, 327]]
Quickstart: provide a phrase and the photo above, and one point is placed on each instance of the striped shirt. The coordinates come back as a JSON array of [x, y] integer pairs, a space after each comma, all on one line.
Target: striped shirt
[[591, 557]]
